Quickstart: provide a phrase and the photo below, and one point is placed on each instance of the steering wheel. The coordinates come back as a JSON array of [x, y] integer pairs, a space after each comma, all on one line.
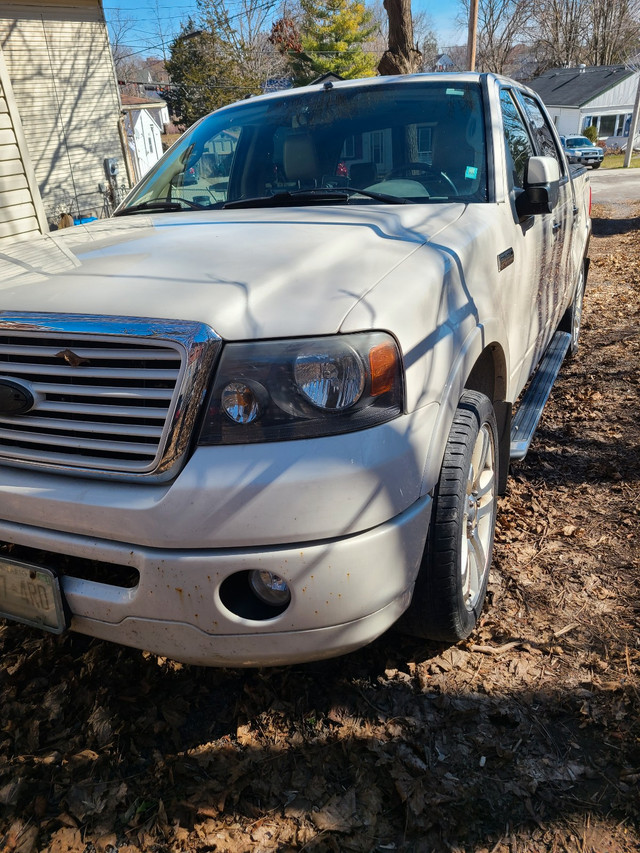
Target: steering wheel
[[404, 170]]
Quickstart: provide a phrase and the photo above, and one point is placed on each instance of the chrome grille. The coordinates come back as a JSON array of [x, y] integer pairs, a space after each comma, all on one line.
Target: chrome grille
[[109, 395]]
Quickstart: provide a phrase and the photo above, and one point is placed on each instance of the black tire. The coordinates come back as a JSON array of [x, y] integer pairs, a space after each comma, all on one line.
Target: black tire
[[452, 581], [596, 165], [572, 320]]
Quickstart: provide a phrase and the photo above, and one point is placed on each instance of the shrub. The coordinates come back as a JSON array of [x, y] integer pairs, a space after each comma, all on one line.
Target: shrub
[[591, 133]]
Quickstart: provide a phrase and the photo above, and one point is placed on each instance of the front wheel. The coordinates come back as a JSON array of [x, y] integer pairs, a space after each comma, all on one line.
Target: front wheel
[[452, 582]]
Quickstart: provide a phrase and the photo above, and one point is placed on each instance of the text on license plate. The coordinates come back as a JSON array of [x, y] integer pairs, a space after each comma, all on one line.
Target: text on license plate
[[32, 595]]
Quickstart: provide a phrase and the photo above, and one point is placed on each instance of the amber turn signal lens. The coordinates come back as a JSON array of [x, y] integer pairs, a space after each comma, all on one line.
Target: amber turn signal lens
[[383, 365]]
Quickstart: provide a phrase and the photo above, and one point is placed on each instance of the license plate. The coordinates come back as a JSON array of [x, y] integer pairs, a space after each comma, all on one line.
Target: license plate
[[32, 595]]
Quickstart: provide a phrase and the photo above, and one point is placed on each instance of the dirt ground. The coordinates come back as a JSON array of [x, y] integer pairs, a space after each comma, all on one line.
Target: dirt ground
[[525, 738]]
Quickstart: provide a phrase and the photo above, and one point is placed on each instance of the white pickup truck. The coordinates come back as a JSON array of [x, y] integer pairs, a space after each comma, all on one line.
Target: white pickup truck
[[265, 411]]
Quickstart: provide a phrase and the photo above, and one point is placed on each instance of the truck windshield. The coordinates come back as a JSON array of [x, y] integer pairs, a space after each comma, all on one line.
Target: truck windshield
[[578, 141], [419, 141]]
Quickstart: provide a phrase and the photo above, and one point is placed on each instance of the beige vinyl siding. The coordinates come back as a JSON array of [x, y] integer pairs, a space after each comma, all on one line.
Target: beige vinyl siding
[[21, 213], [62, 74]]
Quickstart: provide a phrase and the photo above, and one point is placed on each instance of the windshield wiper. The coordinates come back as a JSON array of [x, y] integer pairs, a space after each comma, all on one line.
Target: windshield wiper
[[290, 199], [340, 195], [383, 197], [158, 206]]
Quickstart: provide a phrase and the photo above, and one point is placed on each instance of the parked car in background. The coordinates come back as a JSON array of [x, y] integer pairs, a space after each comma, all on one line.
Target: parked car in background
[[581, 150]]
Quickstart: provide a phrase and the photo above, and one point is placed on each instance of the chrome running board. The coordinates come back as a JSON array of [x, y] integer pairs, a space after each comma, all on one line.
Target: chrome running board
[[526, 419]]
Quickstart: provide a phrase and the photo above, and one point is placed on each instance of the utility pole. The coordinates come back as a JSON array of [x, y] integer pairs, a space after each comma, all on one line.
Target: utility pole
[[633, 129], [473, 35]]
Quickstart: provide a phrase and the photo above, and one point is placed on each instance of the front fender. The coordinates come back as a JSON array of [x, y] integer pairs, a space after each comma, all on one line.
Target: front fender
[[479, 348], [435, 315]]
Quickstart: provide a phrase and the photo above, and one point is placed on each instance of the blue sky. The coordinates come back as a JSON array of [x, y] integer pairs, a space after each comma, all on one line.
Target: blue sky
[[443, 15], [157, 21]]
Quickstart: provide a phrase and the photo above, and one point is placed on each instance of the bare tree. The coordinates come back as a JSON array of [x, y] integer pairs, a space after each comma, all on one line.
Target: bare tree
[[614, 31], [501, 24], [556, 33], [243, 27], [424, 35], [124, 58], [561, 27], [426, 40], [401, 57], [594, 32]]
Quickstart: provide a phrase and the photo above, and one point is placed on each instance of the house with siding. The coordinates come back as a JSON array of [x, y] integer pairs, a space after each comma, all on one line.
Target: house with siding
[[22, 213], [144, 123], [58, 66], [602, 95]]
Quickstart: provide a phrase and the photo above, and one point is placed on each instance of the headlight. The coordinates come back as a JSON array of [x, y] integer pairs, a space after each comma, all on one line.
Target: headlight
[[330, 381], [280, 390]]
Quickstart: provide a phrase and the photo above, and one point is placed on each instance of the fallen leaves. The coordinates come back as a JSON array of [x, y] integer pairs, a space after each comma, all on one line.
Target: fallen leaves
[[524, 737]]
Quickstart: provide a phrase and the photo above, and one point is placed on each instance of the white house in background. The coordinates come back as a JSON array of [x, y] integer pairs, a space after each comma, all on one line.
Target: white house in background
[[600, 95], [61, 73], [144, 122], [444, 63]]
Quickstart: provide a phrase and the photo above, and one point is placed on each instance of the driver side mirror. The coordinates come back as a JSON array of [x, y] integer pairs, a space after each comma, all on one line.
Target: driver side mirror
[[541, 187]]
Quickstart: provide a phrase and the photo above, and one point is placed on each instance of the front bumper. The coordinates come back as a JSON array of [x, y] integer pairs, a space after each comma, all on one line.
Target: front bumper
[[343, 519], [590, 159], [344, 593], [584, 159]]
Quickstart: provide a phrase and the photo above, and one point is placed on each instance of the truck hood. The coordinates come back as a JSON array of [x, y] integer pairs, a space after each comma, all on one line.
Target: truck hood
[[246, 273]]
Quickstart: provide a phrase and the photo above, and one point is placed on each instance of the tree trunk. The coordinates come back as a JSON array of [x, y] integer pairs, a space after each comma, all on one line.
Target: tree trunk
[[401, 57]]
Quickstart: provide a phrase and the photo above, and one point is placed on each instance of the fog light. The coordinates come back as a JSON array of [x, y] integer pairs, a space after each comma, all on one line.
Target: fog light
[[270, 588]]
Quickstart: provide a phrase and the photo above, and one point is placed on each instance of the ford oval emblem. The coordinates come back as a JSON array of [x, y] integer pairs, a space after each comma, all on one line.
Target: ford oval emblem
[[15, 398]]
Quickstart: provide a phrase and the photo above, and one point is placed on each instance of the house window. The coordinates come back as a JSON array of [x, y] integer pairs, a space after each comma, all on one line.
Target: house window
[[622, 122], [424, 144], [349, 148], [377, 147], [607, 125]]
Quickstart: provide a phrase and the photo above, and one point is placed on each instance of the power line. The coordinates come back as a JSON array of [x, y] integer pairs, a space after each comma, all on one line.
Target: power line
[[268, 4], [140, 8]]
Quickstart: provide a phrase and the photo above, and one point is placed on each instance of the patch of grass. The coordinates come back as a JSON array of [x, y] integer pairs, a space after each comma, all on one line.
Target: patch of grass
[[615, 161]]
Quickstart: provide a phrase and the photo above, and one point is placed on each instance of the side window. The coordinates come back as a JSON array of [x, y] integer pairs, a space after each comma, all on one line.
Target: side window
[[541, 130], [518, 143]]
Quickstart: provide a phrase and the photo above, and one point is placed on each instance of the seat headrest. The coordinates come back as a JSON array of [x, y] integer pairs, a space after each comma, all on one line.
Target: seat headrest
[[300, 158], [363, 174]]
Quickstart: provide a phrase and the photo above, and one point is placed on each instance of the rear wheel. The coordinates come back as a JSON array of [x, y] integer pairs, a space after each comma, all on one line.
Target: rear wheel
[[452, 582]]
